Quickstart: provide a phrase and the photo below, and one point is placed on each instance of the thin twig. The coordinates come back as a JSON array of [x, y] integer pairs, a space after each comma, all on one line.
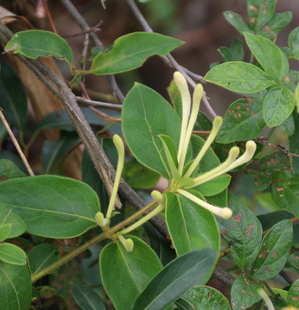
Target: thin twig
[[49, 16], [84, 26], [99, 103], [81, 33], [16, 144], [169, 60], [279, 148]]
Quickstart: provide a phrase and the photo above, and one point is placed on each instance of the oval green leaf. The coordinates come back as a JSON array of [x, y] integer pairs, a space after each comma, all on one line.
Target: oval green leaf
[[237, 21], [7, 216], [294, 43], [274, 252], [131, 50], [35, 43], [87, 298], [42, 256], [269, 55], [5, 230], [145, 115], [15, 287], [9, 170], [244, 292], [206, 298], [125, 274], [278, 105], [190, 226], [243, 120], [51, 206], [243, 231], [239, 77], [175, 279], [12, 254], [214, 186]]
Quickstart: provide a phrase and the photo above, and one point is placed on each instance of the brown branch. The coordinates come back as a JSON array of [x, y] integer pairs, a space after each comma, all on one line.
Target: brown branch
[[279, 148]]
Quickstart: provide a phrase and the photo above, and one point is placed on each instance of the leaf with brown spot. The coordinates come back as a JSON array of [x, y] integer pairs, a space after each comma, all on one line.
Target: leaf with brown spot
[[248, 126], [294, 258], [278, 240], [285, 191], [243, 231], [237, 21], [244, 292], [293, 296]]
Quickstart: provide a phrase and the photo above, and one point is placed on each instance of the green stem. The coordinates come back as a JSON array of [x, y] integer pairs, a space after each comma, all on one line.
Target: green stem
[[143, 220], [109, 233]]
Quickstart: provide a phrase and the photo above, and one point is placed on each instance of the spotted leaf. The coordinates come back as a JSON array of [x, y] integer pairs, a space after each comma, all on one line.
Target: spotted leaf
[[243, 231], [274, 251], [244, 292]]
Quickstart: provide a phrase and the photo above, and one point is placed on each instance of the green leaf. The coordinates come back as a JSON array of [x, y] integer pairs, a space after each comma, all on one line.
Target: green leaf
[[243, 120], [125, 274], [190, 226], [51, 206], [234, 52], [239, 77], [244, 292], [138, 176], [293, 296], [42, 256], [237, 21], [35, 43], [175, 97], [7, 216], [294, 43], [294, 143], [260, 12], [87, 298], [13, 97], [206, 298], [288, 126], [5, 230], [15, 287], [243, 231], [54, 151], [269, 55], [145, 115], [277, 23], [268, 165], [278, 105], [175, 279], [12, 254], [9, 170], [215, 186], [219, 200], [131, 50], [266, 202], [274, 251], [293, 259], [285, 191]]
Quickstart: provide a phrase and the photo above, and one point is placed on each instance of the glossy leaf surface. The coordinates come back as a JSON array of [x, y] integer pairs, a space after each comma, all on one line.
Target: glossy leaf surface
[[269, 55], [146, 110], [175, 279], [35, 43], [42, 256], [239, 77], [61, 208], [206, 298], [15, 287], [125, 274], [243, 120], [244, 292], [87, 298], [278, 105], [274, 251], [7, 216], [191, 227], [131, 50], [12, 254], [243, 231]]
